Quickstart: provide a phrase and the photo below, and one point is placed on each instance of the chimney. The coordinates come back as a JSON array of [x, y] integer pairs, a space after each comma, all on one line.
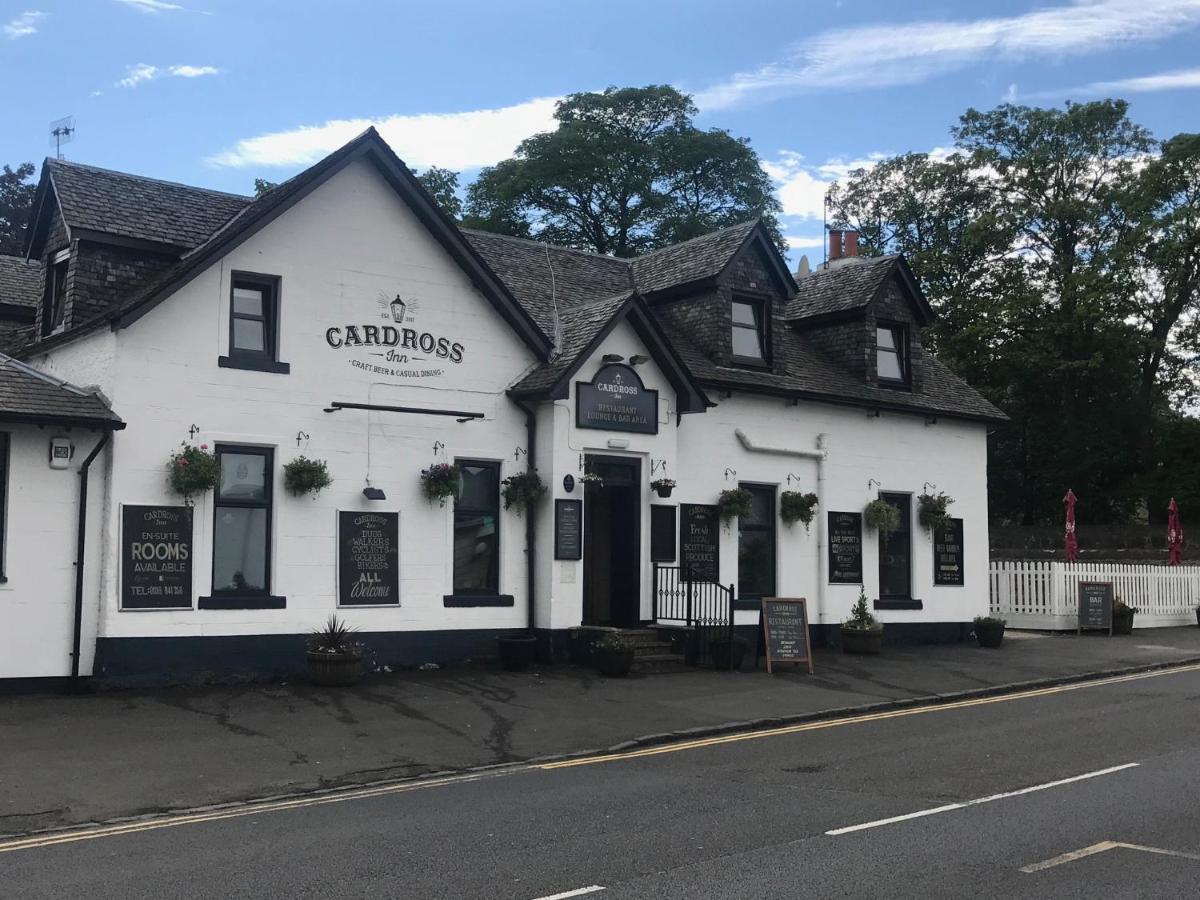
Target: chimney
[[835, 244], [851, 244]]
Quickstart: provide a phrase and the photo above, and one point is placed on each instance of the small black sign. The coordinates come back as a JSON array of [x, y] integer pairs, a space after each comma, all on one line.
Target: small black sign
[[948, 558], [156, 557], [568, 529], [699, 542], [368, 558], [616, 400], [845, 548], [662, 533], [1095, 605], [785, 631]]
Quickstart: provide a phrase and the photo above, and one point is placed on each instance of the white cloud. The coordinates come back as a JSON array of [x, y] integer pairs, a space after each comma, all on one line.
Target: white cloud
[[802, 186], [23, 25], [874, 56], [135, 75], [462, 140], [804, 242], [1180, 79], [193, 71], [1010, 96], [151, 7]]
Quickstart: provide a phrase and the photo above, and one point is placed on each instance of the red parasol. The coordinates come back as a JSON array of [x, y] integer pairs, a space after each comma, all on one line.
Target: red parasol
[[1174, 534], [1072, 543]]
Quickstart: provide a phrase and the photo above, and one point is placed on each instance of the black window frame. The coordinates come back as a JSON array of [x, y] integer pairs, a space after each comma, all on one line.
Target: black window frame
[[900, 337], [761, 307], [267, 359], [5, 444], [770, 491], [54, 301], [240, 598], [491, 595]]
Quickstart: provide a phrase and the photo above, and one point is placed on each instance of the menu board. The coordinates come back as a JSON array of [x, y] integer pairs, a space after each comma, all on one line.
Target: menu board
[[368, 558], [948, 554], [845, 548], [156, 557], [568, 529], [662, 533], [785, 631], [699, 542], [1095, 605]]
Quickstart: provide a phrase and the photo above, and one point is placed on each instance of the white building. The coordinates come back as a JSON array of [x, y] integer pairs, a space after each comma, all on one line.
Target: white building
[[343, 317]]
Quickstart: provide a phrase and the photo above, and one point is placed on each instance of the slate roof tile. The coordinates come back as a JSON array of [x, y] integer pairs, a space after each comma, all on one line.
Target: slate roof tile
[[21, 282], [580, 325], [702, 257], [847, 286], [25, 391]]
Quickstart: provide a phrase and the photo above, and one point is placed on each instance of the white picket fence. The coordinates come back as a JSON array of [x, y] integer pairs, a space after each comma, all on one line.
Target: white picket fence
[[1037, 594]]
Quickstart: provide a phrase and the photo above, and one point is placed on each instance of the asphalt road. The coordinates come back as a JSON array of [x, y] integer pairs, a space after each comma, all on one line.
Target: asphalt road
[[1087, 792]]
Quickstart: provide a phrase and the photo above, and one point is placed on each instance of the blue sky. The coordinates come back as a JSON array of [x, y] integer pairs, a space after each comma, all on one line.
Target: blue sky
[[217, 92]]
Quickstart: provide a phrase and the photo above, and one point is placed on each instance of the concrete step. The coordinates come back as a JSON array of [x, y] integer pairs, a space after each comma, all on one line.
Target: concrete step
[[657, 663], [652, 648], [640, 635]]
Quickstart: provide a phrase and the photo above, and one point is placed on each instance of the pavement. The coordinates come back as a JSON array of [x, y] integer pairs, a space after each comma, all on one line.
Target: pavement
[[75, 759], [1084, 790]]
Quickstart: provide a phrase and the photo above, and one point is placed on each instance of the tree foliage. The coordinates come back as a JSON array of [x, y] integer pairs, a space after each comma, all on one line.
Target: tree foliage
[[442, 186], [16, 201], [625, 172]]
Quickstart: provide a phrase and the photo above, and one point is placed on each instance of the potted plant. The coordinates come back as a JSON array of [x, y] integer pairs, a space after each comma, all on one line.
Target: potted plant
[[440, 481], [797, 507], [736, 502], [727, 654], [591, 478], [931, 511], [881, 516], [192, 470], [516, 651], [306, 476], [862, 633], [663, 486], [523, 490], [613, 655], [989, 631], [1122, 617], [334, 656]]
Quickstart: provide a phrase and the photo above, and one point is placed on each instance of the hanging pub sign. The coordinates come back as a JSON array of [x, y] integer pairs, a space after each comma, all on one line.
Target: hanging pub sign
[[568, 529], [368, 570], [699, 542], [845, 548], [1095, 606], [785, 632], [156, 557], [616, 400], [948, 554]]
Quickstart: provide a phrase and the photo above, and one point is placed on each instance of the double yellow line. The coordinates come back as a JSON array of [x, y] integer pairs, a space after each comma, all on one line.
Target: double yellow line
[[254, 808]]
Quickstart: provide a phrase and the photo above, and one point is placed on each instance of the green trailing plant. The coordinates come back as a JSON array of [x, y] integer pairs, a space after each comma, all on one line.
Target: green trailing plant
[[881, 516], [663, 486], [797, 507], [306, 476], [735, 503], [1121, 608], [590, 478], [192, 470], [335, 637], [931, 510], [523, 490], [441, 481], [861, 618], [989, 620]]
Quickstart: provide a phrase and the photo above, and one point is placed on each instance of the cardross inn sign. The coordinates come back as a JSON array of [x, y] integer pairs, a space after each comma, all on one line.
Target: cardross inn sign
[[399, 347]]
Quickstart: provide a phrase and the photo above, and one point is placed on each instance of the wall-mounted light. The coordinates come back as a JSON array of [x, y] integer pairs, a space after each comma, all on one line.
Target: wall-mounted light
[[612, 358], [638, 359], [374, 493]]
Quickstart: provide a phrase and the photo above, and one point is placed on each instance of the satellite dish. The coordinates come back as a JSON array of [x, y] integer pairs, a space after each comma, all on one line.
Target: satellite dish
[[61, 132]]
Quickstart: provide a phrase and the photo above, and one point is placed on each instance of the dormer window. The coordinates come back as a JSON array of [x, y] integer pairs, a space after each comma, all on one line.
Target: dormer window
[[750, 340], [891, 354], [54, 308]]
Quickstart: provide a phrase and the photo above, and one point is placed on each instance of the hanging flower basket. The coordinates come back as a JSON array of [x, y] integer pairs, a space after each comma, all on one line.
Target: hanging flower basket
[[523, 490], [797, 507], [881, 516], [440, 481], [306, 476], [192, 470], [931, 511], [591, 478], [663, 486], [736, 502]]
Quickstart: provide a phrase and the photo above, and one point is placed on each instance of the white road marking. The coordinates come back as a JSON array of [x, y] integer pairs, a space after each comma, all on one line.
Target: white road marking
[[953, 806], [1101, 848], [578, 892]]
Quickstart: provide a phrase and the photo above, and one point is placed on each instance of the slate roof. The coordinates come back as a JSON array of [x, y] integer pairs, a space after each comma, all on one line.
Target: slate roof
[[580, 325], [21, 282], [844, 287], [694, 260], [144, 208], [27, 394]]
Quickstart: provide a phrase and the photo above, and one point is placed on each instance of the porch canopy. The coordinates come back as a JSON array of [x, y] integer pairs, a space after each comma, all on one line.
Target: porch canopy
[[32, 397]]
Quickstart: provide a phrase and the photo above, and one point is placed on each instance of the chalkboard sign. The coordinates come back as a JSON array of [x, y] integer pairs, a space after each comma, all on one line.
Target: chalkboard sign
[[662, 533], [368, 558], [616, 400], [699, 542], [948, 557], [785, 631], [156, 557], [1095, 606], [568, 529], [845, 548]]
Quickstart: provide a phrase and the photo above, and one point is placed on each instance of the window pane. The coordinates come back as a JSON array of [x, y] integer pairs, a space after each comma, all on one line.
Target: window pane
[[248, 301], [248, 334], [743, 314], [243, 476], [885, 338], [756, 563], [889, 365], [479, 488], [746, 342], [240, 549], [476, 560], [762, 506]]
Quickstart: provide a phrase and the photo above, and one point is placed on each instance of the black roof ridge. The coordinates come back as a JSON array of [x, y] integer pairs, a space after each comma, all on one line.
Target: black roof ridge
[[179, 184], [625, 261], [700, 237]]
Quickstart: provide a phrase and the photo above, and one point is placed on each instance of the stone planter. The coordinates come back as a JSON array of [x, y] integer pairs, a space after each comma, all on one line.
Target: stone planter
[[865, 641], [989, 634], [334, 669], [1123, 621], [516, 651], [613, 663]]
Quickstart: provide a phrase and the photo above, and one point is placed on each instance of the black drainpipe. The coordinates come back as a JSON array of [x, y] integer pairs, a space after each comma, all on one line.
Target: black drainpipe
[[530, 516], [80, 544]]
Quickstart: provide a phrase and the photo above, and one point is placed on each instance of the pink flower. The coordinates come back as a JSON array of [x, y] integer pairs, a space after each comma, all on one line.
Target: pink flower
[[182, 463], [204, 446]]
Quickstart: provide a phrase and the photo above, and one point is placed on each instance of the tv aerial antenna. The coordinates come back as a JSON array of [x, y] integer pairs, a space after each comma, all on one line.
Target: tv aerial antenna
[[62, 131]]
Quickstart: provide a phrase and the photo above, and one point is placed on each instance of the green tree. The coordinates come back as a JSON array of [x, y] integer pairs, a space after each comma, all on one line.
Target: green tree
[[262, 186], [626, 171], [442, 186], [16, 202]]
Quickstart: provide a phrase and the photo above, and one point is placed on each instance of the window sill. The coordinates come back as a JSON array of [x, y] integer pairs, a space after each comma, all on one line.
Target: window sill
[[749, 362], [259, 601], [900, 603], [472, 600], [894, 385], [252, 364]]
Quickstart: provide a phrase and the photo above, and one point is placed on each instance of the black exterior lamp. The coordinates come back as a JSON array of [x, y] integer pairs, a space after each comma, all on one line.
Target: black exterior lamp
[[612, 358], [638, 359], [374, 493]]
